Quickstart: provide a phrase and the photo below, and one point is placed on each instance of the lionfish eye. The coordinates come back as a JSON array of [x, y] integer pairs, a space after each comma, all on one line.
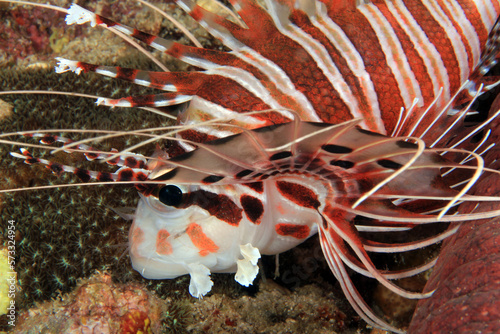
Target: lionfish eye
[[170, 195]]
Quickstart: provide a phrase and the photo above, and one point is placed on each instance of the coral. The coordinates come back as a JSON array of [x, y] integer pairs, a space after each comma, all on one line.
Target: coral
[[272, 310], [177, 317], [135, 322], [96, 305], [5, 110], [466, 278]]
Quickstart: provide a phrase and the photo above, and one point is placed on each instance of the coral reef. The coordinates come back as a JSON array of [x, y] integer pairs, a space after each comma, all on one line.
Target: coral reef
[[272, 310], [466, 277], [65, 235], [96, 306]]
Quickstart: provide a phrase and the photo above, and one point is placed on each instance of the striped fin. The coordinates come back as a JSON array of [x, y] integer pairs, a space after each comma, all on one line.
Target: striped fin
[[225, 71], [131, 160], [321, 67], [317, 148], [122, 174]]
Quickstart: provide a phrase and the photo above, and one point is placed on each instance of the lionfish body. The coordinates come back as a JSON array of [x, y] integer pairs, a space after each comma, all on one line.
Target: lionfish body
[[278, 171]]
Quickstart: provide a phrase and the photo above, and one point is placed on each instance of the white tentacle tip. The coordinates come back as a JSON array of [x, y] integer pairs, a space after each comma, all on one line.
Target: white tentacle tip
[[17, 155], [102, 101], [65, 65], [247, 268], [200, 283], [80, 15]]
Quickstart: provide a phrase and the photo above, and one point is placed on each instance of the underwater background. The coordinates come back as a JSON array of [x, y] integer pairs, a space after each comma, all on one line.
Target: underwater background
[[73, 270]]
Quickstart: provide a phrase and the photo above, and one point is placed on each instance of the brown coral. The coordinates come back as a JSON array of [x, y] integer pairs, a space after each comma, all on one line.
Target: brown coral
[[96, 306]]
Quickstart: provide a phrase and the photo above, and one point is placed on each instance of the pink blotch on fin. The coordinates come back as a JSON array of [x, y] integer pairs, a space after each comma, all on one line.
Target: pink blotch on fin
[[163, 246], [200, 240]]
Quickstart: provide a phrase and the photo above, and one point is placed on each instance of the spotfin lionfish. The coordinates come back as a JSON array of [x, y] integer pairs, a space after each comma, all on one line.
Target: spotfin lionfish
[[333, 117]]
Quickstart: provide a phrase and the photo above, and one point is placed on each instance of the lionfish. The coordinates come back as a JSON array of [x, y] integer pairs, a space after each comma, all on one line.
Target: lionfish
[[333, 117]]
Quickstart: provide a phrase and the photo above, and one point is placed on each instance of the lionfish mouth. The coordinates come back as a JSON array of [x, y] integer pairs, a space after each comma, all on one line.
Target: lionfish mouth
[[261, 158]]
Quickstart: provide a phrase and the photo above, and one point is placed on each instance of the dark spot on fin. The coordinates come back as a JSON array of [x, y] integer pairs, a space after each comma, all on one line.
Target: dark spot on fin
[[336, 149], [126, 73], [406, 144], [280, 155], [389, 164], [167, 176], [125, 175], [183, 156], [212, 179], [342, 163], [131, 162], [82, 174], [104, 177], [292, 230], [243, 173], [56, 168], [221, 141], [362, 220], [48, 139]]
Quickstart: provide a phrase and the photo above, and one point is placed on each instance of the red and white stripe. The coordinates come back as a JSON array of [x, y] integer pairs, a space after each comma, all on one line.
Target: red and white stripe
[[329, 65]]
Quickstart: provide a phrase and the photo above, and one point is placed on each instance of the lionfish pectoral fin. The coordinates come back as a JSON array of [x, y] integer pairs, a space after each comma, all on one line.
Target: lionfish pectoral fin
[[228, 32], [200, 283], [80, 15], [123, 174], [159, 80], [336, 264], [157, 100], [247, 267], [340, 227], [240, 158]]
